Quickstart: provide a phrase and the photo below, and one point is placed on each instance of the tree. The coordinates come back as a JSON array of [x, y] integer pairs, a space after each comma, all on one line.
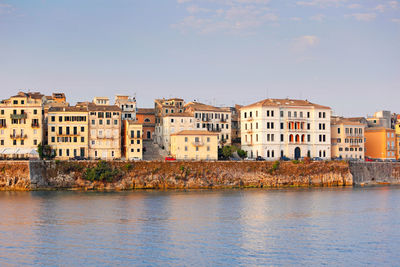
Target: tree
[[241, 153], [227, 152], [45, 151]]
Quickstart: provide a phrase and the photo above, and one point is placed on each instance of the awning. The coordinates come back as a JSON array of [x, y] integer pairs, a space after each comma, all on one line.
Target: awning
[[19, 151]]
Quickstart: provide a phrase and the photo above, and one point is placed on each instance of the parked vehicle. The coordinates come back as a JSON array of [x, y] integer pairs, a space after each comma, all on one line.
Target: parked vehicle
[[284, 158], [170, 159], [78, 158], [234, 159], [317, 159], [368, 159], [250, 159], [259, 158]]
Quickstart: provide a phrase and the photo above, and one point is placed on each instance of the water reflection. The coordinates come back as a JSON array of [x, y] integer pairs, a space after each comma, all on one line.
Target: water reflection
[[233, 227]]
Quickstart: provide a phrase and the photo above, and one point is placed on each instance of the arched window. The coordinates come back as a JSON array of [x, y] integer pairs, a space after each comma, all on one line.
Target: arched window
[[147, 120], [302, 138], [297, 138], [291, 138]]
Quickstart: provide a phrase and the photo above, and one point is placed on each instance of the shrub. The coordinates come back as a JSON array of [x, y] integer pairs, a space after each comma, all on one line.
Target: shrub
[[242, 153], [295, 161], [67, 166], [276, 165], [128, 166], [103, 171]]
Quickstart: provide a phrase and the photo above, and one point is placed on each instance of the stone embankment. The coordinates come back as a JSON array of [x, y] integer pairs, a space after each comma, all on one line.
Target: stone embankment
[[173, 175], [36, 175]]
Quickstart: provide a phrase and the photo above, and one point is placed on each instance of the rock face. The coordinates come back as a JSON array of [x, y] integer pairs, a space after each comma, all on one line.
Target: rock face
[[191, 175], [14, 175], [370, 173]]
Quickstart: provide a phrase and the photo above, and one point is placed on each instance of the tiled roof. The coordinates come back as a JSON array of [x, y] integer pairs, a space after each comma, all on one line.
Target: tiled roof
[[145, 111], [196, 106], [68, 109], [194, 132], [179, 114], [270, 102], [342, 120]]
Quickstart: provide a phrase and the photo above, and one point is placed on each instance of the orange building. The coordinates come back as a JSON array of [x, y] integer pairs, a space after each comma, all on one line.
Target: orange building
[[397, 130], [146, 117], [380, 143]]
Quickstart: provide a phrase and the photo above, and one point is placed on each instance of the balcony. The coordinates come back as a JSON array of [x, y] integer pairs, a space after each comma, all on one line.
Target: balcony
[[67, 134], [198, 143], [3, 126], [18, 116], [35, 125], [215, 130], [18, 136]]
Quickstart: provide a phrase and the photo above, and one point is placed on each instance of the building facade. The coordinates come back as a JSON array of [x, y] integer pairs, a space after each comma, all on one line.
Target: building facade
[[347, 138], [380, 143], [133, 140], [68, 132], [173, 123], [194, 145], [274, 128], [128, 106], [212, 119], [104, 131], [146, 117], [163, 107], [21, 124]]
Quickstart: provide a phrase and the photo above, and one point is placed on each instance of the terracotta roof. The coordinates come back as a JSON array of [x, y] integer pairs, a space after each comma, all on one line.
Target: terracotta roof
[[93, 107], [342, 120], [194, 132], [179, 114], [132, 122], [145, 111], [196, 106], [270, 102], [34, 95], [68, 109]]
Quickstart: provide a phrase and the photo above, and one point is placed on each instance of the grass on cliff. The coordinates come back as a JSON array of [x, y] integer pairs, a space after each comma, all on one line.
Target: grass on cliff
[[103, 172]]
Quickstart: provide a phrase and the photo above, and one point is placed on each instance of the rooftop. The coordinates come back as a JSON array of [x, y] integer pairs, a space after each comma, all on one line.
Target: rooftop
[[194, 132], [272, 102]]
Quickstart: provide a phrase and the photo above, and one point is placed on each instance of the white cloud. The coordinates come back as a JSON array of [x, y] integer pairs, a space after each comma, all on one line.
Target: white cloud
[[396, 20], [393, 4], [319, 17], [304, 42], [354, 6], [364, 16], [231, 16], [321, 3], [380, 8]]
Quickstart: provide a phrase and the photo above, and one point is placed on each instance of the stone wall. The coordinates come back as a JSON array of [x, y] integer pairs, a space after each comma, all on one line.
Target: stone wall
[[14, 175], [371, 173]]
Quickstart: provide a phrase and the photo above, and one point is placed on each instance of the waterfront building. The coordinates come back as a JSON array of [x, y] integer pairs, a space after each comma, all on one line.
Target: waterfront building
[[194, 145], [380, 143], [397, 132], [381, 118], [347, 138], [173, 123], [146, 117], [68, 131], [104, 131], [133, 140], [163, 107], [55, 100], [101, 101], [212, 119], [21, 124], [235, 129], [128, 106], [274, 128]]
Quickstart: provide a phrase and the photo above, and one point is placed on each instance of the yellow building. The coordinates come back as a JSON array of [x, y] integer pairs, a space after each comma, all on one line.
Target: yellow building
[[68, 132], [133, 140], [194, 145], [380, 143], [347, 137], [21, 125], [397, 132]]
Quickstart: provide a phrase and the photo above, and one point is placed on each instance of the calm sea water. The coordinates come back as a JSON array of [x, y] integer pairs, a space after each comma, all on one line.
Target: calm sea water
[[334, 226]]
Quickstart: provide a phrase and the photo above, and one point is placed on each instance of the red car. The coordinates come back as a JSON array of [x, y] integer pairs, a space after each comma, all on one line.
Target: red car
[[368, 159], [170, 159]]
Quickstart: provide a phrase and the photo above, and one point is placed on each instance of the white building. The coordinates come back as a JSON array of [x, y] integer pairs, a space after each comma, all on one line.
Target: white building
[[173, 123], [274, 128], [128, 106], [212, 119]]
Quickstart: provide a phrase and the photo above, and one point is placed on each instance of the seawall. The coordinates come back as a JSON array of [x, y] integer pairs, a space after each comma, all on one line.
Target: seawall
[[48, 175]]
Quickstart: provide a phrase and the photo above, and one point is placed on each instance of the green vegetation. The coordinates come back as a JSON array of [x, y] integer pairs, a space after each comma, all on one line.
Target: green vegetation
[[296, 161], [241, 153], [227, 152], [128, 167], [45, 151], [68, 166], [103, 171]]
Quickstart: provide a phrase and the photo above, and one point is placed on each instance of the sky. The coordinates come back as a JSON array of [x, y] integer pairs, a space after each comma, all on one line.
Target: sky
[[340, 53]]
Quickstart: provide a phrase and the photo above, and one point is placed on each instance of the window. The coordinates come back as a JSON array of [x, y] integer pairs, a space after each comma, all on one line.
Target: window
[[53, 129], [35, 111], [100, 122], [53, 139], [282, 138], [282, 125], [186, 149], [35, 142], [208, 148], [115, 122], [60, 118], [2, 142], [93, 122], [197, 148], [338, 130], [281, 113], [208, 139]]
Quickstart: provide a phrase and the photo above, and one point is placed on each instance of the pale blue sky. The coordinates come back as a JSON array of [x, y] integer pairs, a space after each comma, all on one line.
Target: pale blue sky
[[340, 53]]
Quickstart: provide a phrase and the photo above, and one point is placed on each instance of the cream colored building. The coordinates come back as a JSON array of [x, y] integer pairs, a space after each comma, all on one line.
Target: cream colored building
[[133, 140], [274, 128], [173, 123], [104, 131], [162, 108], [21, 124], [347, 138], [212, 119], [68, 131], [194, 145], [101, 100], [128, 106]]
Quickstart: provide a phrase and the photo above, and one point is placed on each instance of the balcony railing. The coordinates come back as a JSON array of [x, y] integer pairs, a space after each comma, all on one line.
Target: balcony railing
[[3, 125], [18, 116], [35, 125], [67, 134], [18, 136], [215, 130], [198, 143]]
